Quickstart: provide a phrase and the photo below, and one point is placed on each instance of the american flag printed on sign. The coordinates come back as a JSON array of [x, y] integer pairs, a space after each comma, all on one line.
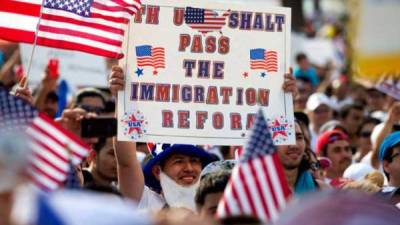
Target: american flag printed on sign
[[263, 59], [257, 185], [92, 26], [205, 20], [147, 55], [54, 148]]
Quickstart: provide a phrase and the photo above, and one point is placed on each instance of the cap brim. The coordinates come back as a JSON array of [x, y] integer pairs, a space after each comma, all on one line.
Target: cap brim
[[152, 182]]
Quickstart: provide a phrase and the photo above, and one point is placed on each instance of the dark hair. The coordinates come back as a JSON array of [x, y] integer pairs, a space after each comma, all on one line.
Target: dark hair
[[304, 78], [388, 157], [345, 110], [368, 120], [100, 145], [300, 57], [240, 220], [302, 117], [110, 107], [89, 92], [212, 183], [305, 163], [102, 189], [52, 96]]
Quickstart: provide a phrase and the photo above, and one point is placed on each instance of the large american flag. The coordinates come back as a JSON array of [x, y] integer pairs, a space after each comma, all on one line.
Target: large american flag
[[258, 185], [205, 20], [147, 55], [54, 148], [92, 26], [263, 59]]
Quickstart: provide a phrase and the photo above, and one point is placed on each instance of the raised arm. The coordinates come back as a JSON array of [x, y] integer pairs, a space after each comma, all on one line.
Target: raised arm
[[130, 174], [393, 118]]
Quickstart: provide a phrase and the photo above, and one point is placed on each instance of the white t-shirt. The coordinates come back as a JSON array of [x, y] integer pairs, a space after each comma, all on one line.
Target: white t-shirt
[[151, 200]]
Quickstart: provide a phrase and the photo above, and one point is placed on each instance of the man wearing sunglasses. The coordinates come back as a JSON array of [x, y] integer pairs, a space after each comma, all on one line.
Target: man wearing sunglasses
[[389, 155], [91, 100]]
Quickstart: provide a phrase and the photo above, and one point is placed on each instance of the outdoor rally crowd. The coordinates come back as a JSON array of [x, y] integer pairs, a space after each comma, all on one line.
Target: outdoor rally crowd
[[343, 169]]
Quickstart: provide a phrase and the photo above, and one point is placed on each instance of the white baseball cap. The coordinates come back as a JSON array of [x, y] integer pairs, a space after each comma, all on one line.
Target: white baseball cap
[[316, 100]]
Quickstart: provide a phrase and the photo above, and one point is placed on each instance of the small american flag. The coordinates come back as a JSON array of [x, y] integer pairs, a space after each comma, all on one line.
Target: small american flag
[[205, 20], [150, 56], [92, 26], [258, 185], [263, 59], [53, 147]]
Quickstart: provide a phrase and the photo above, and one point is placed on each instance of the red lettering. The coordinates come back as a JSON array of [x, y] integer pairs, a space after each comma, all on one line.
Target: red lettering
[[236, 121], [201, 117], [197, 45], [167, 119], [218, 120], [183, 121], [184, 42], [212, 96]]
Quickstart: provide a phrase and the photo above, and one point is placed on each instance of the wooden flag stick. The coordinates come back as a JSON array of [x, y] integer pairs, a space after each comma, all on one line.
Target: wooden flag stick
[[34, 44]]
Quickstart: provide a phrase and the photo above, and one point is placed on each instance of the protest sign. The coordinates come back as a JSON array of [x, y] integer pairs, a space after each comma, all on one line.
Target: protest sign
[[197, 72], [77, 68]]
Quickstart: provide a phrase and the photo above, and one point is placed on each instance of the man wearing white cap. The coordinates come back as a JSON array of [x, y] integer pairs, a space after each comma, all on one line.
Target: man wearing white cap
[[319, 111]]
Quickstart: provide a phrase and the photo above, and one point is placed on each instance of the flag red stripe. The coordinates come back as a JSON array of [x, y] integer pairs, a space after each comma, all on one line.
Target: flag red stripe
[[12, 6], [48, 136], [124, 4], [80, 34], [226, 207], [38, 184], [271, 187], [17, 35], [48, 149], [97, 5], [110, 18], [254, 174], [282, 178], [246, 187], [236, 197], [73, 46], [66, 133], [43, 173], [82, 23], [47, 162]]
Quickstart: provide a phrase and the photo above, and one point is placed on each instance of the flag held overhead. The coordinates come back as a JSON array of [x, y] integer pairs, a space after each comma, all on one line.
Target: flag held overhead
[[91, 26]]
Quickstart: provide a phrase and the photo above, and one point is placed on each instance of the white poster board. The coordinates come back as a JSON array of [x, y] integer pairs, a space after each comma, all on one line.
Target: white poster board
[[77, 68], [197, 72]]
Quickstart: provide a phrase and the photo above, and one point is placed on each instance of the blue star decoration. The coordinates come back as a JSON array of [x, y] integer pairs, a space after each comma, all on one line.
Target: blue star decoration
[[139, 72], [263, 74]]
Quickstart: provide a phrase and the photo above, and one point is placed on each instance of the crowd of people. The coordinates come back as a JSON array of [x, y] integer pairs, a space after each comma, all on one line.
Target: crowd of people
[[343, 169]]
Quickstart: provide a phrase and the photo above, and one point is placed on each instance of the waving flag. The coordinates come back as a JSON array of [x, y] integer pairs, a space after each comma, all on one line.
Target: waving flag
[[92, 26], [205, 20], [263, 59], [150, 56], [258, 185], [54, 148]]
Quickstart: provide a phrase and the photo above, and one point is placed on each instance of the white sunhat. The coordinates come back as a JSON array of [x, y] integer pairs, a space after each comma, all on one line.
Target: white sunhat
[[357, 171]]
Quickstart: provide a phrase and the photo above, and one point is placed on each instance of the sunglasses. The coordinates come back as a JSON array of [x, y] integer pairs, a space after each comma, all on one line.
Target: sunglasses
[[93, 109], [365, 134], [315, 166], [394, 155]]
